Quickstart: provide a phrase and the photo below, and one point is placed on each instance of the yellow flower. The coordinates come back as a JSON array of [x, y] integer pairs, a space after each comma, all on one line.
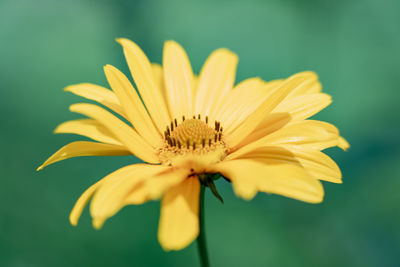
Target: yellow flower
[[183, 126]]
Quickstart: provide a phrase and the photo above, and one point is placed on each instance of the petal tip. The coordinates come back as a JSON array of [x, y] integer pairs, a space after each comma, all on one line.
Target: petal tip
[[97, 223]]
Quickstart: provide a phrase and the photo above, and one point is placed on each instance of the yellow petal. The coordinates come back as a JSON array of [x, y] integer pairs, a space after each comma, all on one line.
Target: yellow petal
[[127, 135], [253, 120], [132, 104], [291, 109], [81, 203], [159, 79], [98, 94], [139, 195], [311, 86], [111, 196], [343, 144], [84, 148], [250, 176], [144, 78], [241, 102], [319, 165], [270, 124], [304, 106], [155, 186], [312, 134], [160, 182], [178, 77], [179, 222], [216, 79], [89, 128]]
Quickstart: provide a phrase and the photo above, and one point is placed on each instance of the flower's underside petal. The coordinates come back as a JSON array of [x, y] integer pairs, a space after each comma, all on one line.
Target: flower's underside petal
[[98, 94], [126, 134], [146, 82], [216, 79], [274, 98], [316, 163], [139, 195], [179, 221], [249, 176], [157, 184], [241, 102], [84, 148], [178, 77], [89, 128], [112, 194], [159, 79], [132, 105], [311, 86], [311, 134]]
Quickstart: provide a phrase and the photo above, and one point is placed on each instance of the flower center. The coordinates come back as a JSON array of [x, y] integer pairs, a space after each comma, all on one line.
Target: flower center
[[192, 137]]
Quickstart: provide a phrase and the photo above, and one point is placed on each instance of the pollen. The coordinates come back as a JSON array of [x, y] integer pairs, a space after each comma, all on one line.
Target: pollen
[[193, 136]]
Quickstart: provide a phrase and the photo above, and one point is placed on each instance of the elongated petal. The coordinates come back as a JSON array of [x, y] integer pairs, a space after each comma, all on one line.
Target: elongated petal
[[273, 122], [304, 106], [291, 109], [241, 102], [127, 135], [343, 144], [137, 196], [312, 134], [319, 165], [99, 94], [111, 196], [89, 128], [81, 203], [252, 121], [311, 86], [250, 176], [155, 186], [84, 148], [159, 79], [159, 183], [178, 77], [216, 78], [143, 76], [132, 104], [179, 221]]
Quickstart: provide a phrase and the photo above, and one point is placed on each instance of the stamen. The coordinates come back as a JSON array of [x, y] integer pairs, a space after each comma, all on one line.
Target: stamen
[[206, 119], [172, 126], [176, 123], [203, 142], [183, 118], [199, 116]]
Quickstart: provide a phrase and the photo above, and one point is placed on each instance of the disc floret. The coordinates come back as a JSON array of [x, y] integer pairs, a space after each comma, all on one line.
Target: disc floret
[[192, 137]]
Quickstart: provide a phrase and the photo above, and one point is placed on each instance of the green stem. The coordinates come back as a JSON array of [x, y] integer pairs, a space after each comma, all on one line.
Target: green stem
[[201, 239]]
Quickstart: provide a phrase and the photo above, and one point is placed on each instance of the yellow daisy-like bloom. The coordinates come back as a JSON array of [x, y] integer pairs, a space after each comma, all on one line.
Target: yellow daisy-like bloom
[[256, 134]]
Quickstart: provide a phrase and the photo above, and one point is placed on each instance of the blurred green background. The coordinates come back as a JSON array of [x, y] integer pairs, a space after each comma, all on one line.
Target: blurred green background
[[353, 46]]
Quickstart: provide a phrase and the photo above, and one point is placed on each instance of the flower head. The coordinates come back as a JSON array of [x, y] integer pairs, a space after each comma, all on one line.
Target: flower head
[[255, 134]]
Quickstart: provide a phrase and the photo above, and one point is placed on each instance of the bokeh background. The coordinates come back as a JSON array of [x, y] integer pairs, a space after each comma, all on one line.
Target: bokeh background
[[353, 45]]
